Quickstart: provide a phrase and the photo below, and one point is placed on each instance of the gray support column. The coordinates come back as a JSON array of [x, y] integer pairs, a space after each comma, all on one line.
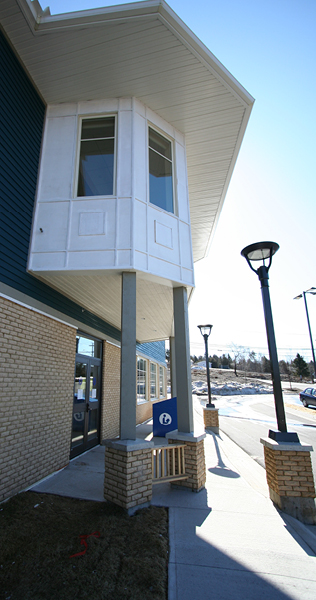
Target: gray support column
[[182, 356], [128, 358], [173, 376]]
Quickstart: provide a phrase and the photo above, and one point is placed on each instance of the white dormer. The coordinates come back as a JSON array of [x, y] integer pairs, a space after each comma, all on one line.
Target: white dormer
[[112, 195]]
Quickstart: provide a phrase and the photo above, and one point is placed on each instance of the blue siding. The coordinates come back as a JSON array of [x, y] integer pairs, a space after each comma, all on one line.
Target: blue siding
[[154, 350], [21, 124]]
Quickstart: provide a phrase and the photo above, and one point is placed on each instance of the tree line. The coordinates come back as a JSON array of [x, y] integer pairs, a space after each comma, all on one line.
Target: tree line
[[246, 360]]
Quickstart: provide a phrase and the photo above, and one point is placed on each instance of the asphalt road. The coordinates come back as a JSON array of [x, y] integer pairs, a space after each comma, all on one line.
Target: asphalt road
[[246, 419]]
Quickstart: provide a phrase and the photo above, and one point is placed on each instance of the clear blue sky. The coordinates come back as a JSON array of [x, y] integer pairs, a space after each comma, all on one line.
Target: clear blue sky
[[270, 47]]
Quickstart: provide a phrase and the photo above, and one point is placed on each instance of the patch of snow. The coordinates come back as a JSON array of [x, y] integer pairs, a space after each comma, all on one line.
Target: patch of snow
[[230, 389]]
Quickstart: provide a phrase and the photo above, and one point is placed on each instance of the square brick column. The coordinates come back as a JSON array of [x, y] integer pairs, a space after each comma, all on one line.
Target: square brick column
[[290, 478], [128, 473], [211, 420], [194, 457]]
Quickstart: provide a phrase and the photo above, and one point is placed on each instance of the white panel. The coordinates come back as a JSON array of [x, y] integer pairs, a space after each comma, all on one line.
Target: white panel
[[139, 107], [48, 261], [92, 223], [124, 215], [163, 235], [157, 218], [181, 182], [185, 246], [61, 110], [52, 218], [56, 172], [89, 210], [92, 107], [123, 258], [124, 154], [179, 137], [140, 261], [140, 226], [187, 277], [164, 269], [91, 260], [125, 104], [140, 157]]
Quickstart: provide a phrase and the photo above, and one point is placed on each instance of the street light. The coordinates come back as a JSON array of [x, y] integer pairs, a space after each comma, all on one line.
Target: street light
[[263, 251], [205, 332], [312, 291]]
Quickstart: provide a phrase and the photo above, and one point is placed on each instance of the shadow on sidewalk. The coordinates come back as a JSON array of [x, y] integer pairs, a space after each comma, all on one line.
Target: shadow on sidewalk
[[221, 469]]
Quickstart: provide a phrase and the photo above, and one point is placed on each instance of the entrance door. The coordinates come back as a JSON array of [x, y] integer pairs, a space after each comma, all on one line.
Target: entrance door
[[87, 402]]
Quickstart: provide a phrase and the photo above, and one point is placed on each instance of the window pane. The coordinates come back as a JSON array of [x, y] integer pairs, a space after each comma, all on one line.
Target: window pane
[[141, 379], [161, 382], [159, 143], [79, 404], [97, 128], [96, 168], [160, 181], [88, 347], [153, 381]]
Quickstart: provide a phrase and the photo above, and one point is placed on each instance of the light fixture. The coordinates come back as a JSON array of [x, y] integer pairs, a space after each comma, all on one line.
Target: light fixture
[[312, 291], [263, 251], [205, 331]]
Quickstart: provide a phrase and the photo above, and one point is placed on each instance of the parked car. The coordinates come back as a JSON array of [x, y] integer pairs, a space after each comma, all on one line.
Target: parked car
[[308, 397]]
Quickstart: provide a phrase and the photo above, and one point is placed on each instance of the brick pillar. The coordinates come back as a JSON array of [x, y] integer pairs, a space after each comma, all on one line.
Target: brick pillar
[[211, 420], [290, 478], [128, 473], [194, 457]]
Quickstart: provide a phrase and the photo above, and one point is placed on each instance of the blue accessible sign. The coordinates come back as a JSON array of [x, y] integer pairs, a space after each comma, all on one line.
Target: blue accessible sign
[[165, 417]]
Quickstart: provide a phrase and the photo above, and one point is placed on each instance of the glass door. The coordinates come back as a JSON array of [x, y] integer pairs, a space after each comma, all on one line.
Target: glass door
[[79, 409], [93, 409], [87, 402]]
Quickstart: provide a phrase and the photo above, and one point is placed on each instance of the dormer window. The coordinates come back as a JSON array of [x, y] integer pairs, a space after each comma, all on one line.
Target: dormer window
[[160, 171], [96, 161]]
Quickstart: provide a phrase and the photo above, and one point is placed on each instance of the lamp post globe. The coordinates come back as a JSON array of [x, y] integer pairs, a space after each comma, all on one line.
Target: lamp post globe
[[205, 332], [263, 252]]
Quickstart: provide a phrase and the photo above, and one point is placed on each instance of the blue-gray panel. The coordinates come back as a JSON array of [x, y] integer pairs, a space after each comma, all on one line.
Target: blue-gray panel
[[154, 350]]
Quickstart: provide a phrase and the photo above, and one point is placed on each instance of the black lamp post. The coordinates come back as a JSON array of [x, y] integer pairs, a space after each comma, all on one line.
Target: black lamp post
[[312, 290], [205, 331], [263, 251]]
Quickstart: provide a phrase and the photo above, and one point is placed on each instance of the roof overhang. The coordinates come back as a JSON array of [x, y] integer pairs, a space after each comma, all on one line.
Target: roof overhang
[[143, 50]]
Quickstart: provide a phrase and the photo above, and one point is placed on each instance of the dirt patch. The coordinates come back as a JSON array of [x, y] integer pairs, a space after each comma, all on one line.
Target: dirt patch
[[40, 532]]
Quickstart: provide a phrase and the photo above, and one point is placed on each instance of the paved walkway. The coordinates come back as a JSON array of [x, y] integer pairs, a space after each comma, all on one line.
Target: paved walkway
[[227, 542]]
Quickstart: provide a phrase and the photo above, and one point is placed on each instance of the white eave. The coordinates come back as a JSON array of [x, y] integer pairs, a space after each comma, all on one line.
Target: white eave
[[143, 50]]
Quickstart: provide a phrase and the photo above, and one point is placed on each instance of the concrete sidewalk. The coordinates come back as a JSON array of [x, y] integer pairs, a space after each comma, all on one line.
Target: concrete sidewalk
[[227, 542]]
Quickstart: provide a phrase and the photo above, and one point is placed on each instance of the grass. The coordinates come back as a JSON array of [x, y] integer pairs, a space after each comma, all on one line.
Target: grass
[[39, 533]]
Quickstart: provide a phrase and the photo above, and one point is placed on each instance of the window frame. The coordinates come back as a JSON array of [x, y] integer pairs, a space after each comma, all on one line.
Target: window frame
[[162, 371], [82, 118], [142, 400], [153, 397], [173, 163]]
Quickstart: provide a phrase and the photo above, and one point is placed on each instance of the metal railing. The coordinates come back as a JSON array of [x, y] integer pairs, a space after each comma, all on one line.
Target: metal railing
[[168, 463]]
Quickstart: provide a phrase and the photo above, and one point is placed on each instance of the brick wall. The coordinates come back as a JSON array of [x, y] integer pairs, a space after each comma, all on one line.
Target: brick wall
[[110, 411], [128, 477], [289, 473], [37, 374], [194, 465], [144, 411]]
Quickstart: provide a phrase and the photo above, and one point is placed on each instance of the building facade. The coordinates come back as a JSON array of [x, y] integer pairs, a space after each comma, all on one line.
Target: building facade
[[105, 205]]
